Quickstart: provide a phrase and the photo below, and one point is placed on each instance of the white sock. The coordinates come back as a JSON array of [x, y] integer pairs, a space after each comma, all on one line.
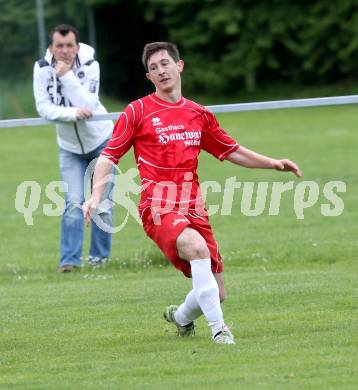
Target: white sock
[[188, 311], [206, 291]]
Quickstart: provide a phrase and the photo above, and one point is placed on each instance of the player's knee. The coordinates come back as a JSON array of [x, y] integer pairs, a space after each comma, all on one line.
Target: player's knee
[[200, 250], [192, 247]]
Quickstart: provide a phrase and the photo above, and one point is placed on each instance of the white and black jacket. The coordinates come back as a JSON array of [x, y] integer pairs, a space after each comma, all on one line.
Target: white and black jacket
[[76, 89]]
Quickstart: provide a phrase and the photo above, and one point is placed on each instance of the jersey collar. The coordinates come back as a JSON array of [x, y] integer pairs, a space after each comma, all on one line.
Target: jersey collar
[[157, 99]]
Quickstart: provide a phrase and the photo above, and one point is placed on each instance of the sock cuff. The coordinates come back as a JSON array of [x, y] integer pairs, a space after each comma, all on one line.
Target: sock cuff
[[200, 264]]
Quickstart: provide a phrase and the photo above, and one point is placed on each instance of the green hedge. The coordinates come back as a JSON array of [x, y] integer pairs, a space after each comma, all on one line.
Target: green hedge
[[227, 45], [231, 43]]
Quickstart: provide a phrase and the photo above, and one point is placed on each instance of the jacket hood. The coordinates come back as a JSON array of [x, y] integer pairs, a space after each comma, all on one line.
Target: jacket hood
[[85, 54]]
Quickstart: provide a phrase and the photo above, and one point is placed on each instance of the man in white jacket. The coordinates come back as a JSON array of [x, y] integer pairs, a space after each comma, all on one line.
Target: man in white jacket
[[66, 85]]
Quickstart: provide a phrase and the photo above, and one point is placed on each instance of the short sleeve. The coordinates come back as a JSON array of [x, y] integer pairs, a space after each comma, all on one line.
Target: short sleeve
[[123, 135], [215, 140]]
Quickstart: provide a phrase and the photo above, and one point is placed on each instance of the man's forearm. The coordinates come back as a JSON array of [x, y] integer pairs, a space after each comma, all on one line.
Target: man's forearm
[[78, 94], [101, 177], [250, 159], [46, 109]]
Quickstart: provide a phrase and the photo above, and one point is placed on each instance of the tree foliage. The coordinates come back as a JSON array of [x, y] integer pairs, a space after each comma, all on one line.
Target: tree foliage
[[226, 44], [19, 46], [233, 43], [17, 34]]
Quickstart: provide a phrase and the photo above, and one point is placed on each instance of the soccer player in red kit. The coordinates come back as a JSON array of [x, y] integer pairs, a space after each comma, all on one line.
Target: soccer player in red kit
[[167, 133]]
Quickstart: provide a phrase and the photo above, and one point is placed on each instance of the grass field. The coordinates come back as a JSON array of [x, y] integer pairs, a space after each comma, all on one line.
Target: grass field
[[292, 284]]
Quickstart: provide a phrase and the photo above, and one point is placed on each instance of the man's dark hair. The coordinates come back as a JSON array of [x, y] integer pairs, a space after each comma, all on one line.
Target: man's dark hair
[[64, 29], [153, 47]]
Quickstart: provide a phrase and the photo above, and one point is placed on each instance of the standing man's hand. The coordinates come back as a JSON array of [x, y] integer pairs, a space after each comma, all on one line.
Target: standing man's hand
[[88, 208], [62, 67], [83, 113]]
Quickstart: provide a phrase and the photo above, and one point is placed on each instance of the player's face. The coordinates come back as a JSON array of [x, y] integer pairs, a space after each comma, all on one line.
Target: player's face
[[164, 72], [64, 48]]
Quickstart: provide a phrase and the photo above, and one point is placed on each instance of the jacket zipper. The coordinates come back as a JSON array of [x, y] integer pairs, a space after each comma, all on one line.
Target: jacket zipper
[[78, 137]]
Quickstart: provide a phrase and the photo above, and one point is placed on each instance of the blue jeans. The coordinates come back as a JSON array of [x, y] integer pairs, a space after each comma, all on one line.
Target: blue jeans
[[73, 167]]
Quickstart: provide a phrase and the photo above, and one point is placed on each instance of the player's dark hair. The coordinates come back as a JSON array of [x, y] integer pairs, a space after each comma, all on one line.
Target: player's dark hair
[[153, 47], [64, 29]]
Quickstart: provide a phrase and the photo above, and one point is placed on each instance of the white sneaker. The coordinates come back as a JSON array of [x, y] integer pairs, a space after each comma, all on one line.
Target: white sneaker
[[224, 336], [96, 261]]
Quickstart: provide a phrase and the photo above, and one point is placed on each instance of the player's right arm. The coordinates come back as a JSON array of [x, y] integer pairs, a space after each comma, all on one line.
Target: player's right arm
[[121, 141], [102, 174]]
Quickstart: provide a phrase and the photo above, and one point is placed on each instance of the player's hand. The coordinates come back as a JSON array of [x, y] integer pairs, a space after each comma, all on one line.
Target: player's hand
[[83, 113], [62, 68], [88, 208], [287, 166]]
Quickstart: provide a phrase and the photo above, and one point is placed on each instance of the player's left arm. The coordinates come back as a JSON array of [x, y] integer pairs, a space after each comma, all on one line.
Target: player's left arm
[[250, 159]]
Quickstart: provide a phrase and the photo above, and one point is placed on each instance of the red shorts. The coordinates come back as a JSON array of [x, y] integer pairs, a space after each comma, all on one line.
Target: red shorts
[[166, 233]]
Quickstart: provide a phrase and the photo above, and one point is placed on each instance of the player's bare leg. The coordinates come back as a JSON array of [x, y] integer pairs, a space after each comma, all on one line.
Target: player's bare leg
[[220, 281]]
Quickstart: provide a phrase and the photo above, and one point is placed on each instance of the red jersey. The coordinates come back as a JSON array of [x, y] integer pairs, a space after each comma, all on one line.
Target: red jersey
[[167, 139]]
